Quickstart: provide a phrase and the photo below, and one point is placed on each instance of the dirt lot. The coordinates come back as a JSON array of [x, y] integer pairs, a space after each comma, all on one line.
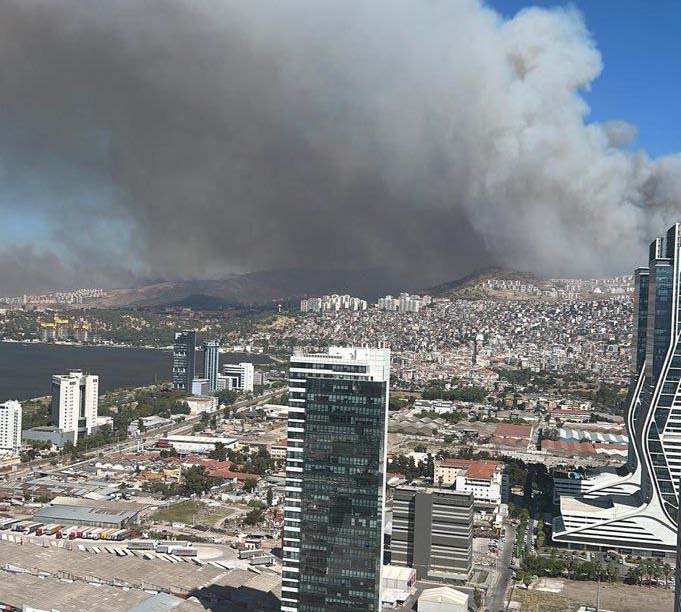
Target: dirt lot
[[623, 597], [533, 601], [197, 512], [615, 597]]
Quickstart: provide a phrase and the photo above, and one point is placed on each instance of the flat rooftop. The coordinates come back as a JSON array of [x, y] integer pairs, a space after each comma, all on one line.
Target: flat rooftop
[[132, 575]]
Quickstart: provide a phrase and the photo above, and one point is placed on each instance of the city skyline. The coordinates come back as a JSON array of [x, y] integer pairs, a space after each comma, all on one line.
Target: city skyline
[[340, 306]]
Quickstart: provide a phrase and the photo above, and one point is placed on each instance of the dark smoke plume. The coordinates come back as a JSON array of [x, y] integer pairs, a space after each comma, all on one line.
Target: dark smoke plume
[[195, 139]]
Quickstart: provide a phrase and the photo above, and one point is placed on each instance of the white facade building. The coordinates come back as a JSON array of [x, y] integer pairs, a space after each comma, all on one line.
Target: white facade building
[[75, 398], [403, 303], [443, 599], [211, 363], [200, 386], [591, 484], [239, 376], [486, 480], [636, 511], [187, 445], [333, 303], [10, 426]]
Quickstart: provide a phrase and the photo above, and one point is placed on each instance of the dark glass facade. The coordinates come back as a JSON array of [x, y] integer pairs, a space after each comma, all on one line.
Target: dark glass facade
[[641, 279], [342, 495], [184, 355]]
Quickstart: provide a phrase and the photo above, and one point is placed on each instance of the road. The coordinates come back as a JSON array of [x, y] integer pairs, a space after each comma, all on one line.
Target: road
[[149, 439], [497, 593], [529, 537]]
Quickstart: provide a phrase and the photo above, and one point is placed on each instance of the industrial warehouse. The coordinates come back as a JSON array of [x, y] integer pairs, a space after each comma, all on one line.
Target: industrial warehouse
[[104, 514]]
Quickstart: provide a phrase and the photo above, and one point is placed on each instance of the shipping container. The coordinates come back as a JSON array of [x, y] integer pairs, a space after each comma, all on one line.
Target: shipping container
[[20, 526], [262, 560], [142, 545], [249, 554], [184, 552]]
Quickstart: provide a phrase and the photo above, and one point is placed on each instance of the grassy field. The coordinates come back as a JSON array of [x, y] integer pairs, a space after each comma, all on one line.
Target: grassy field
[[193, 511], [178, 513]]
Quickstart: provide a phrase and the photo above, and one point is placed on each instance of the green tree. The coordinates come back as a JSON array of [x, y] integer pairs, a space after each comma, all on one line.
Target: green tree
[[219, 452], [250, 484], [477, 598], [270, 497], [196, 481], [226, 397], [254, 517]]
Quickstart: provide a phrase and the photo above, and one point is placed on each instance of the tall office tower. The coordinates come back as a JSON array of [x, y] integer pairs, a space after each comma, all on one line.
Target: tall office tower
[[184, 355], [10, 426], [433, 532], [75, 398], [211, 363], [637, 512], [335, 478], [239, 376]]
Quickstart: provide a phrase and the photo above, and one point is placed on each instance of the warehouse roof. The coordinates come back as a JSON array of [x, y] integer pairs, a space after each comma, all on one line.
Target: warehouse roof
[[78, 514], [444, 594]]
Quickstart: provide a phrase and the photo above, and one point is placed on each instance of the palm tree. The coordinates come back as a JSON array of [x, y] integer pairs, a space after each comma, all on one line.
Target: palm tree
[[667, 570]]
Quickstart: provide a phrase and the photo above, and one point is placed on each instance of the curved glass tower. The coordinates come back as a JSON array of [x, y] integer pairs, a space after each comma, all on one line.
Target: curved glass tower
[[637, 509]]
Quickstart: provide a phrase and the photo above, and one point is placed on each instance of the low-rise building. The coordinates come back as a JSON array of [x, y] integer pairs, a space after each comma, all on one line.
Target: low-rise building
[[443, 599], [278, 450], [511, 434], [486, 480], [186, 445], [590, 484], [198, 404]]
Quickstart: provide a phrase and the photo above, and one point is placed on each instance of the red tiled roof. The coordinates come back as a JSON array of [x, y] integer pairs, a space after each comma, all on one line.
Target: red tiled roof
[[612, 446], [228, 474], [480, 470], [582, 448], [508, 430], [522, 442]]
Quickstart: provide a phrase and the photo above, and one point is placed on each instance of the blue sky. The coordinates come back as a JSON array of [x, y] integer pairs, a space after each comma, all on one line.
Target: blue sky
[[640, 41]]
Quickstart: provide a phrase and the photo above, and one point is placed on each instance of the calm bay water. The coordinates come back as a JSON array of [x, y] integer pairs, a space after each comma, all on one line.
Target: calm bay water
[[26, 369]]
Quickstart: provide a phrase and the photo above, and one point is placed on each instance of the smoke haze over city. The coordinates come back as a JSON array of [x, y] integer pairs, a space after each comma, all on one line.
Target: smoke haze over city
[[179, 140]]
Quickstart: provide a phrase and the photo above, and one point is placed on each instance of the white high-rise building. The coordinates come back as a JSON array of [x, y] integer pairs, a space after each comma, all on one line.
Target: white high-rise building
[[403, 303], [75, 398], [333, 303], [211, 363], [10, 426], [239, 376]]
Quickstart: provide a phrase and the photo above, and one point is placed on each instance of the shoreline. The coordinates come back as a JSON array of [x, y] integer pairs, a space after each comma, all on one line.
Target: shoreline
[[85, 345]]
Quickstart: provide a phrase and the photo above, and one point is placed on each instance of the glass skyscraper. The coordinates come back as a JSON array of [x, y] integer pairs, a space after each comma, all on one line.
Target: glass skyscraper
[[335, 479], [184, 355], [211, 363], [636, 509]]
